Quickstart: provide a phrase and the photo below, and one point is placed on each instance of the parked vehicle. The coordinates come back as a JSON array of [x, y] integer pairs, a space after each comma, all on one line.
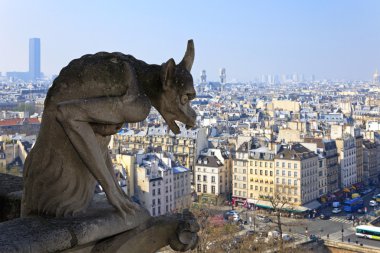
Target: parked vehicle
[[372, 203], [287, 238], [230, 213], [250, 232], [262, 218], [336, 210], [273, 234], [350, 217], [313, 237], [336, 204], [352, 205], [324, 217]]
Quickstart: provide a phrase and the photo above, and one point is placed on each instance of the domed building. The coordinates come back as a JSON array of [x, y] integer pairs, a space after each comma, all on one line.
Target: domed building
[[376, 77]]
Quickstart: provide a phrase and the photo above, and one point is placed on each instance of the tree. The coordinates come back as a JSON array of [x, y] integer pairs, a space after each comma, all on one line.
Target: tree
[[278, 202]]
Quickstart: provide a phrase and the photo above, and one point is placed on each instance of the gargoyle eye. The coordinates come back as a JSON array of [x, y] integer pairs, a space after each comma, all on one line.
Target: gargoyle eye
[[184, 99]]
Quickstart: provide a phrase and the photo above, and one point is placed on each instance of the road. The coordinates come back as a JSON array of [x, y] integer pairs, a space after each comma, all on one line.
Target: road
[[326, 229]]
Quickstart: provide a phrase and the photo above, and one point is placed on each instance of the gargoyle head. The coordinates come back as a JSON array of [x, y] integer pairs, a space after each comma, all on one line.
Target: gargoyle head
[[177, 91]]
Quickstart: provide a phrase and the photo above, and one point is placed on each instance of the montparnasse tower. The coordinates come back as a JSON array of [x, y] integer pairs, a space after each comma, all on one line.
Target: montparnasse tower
[[376, 77]]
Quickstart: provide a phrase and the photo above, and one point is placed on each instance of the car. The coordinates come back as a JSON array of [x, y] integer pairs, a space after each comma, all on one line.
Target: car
[[372, 203], [250, 232], [262, 218], [324, 216], [287, 238], [360, 210], [230, 213], [336, 210], [350, 217]]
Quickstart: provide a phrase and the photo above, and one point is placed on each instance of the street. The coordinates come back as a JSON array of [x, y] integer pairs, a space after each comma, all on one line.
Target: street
[[333, 229]]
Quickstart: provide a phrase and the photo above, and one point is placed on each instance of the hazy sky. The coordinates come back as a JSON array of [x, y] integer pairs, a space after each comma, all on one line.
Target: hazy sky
[[335, 39]]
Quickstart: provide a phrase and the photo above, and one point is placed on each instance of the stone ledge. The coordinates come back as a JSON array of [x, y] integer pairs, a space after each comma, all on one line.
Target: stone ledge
[[40, 234]]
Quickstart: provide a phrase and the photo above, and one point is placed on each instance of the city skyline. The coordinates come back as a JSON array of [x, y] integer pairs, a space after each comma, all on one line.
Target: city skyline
[[337, 40]]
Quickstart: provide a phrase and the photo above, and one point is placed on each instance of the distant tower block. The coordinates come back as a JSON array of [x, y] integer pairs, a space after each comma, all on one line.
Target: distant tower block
[[203, 77], [376, 77], [222, 75]]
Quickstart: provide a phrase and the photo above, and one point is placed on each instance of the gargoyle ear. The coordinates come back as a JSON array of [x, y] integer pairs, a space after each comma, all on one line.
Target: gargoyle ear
[[168, 73], [188, 59]]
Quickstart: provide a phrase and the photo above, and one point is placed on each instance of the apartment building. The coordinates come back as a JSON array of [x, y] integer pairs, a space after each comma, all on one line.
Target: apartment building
[[240, 173], [181, 188], [370, 163], [296, 177], [332, 165], [322, 175], [211, 177], [261, 173], [347, 159], [185, 146]]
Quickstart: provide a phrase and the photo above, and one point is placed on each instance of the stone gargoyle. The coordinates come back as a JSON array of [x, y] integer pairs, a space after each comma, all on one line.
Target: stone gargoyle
[[88, 102]]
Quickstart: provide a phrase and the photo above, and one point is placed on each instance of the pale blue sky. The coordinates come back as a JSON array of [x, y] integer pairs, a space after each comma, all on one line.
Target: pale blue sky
[[335, 39]]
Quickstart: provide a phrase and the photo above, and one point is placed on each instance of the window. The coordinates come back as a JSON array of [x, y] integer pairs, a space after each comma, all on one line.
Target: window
[[154, 211], [289, 181], [295, 182], [261, 188], [159, 191], [205, 178], [213, 179], [277, 172], [153, 202], [271, 173], [199, 187], [289, 173], [154, 192], [251, 163], [295, 166], [277, 180], [199, 177], [283, 173], [204, 188], [261, 172], [277, 164], [159, 210], [213, 189], [283, 181], [251, 171], [251, 187], [256, 187], [244, 186], [266, 173], [283, 164], [295, 174]]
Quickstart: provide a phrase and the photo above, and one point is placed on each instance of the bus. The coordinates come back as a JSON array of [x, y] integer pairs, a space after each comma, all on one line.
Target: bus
[[370, 232], [352, 205]]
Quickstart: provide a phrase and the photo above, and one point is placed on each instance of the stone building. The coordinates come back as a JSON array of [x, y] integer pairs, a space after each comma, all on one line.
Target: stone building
[[370, 163], [347, 158]]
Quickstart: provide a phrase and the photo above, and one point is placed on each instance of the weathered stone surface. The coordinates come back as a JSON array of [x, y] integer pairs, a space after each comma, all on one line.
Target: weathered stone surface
[[42, 234], [89, 101], [10, 196]]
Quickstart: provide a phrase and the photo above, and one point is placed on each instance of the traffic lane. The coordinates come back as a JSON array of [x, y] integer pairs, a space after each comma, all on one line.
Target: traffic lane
[[316, 226], [353, 238]]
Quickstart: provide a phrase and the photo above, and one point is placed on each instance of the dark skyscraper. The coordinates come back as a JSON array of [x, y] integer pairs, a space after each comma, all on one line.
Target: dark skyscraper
[[34, 58]]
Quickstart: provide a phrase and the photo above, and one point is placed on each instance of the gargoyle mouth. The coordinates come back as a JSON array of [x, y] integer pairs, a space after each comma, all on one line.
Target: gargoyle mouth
[[173, 126]]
